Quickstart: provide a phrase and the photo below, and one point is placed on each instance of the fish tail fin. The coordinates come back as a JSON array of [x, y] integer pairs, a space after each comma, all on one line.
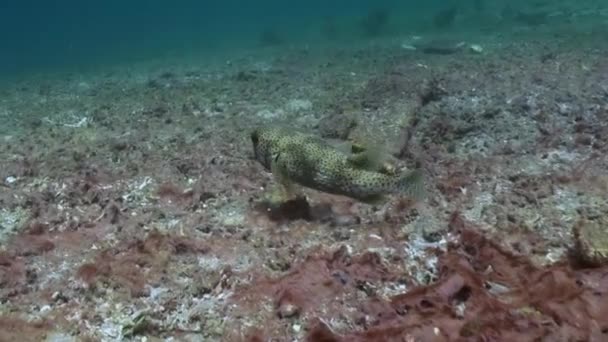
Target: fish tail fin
[[411, 184]]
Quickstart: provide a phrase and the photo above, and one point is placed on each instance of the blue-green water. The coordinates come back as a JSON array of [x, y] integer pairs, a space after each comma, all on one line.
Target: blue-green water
[[51, 34]]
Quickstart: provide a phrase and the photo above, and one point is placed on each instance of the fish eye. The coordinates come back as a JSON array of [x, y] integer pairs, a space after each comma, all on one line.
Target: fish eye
[[276, 156]]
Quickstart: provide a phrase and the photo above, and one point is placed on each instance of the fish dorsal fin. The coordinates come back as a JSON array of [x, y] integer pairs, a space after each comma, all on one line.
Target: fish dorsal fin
[[370, 157], [343, 146]]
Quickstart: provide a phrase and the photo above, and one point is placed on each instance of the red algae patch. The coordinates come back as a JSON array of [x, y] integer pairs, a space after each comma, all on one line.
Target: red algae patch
[[15, 329], [320, 278], [483, 291], [133, 264], [12, 275]]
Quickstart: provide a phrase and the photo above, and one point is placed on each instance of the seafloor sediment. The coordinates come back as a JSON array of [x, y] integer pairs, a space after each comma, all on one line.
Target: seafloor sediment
[[130, 207]]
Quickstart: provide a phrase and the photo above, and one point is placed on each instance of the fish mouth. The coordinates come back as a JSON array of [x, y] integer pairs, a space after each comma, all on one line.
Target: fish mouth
[[255, 138]]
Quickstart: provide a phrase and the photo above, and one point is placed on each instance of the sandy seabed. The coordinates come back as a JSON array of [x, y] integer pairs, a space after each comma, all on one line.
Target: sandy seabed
[[130, 207]]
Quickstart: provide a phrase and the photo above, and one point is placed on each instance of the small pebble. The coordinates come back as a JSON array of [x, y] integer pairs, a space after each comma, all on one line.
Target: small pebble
[[341, 235], [59, 297], [476, 48], [288, 310], [345, 220], [375, 236]]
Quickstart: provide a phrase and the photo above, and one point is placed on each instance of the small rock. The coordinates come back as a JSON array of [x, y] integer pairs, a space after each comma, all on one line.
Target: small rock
[[288, 310], [279, 263], [476, 48], [204, 229], [345, 220], [431, 235], [246, 235], [207, 283], [590, 242], [407, 46], [341, 234], [366, 287], [59, 297]]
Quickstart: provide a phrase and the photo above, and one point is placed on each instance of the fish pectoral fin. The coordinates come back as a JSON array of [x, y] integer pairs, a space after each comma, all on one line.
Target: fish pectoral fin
[[343, 146], [276, 196], [356, 147], [284, 189]]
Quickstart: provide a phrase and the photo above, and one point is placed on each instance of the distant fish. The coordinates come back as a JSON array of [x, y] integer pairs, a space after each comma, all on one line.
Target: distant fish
[[296, 158]]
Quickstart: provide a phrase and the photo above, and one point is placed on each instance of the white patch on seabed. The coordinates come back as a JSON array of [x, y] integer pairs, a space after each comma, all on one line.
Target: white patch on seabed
[[210, 263], [421, 264], [481, 202], [5, 113], [298, 105], [567, 202], [267, 114], [10, 221]]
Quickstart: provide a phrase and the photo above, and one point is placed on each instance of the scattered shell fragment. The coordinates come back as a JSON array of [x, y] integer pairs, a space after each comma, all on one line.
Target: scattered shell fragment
[[288, 310], [407, 46], [476, 48]]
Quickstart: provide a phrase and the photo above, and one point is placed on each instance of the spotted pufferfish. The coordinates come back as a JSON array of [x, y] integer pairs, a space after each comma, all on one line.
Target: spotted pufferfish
[[297, 158]]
